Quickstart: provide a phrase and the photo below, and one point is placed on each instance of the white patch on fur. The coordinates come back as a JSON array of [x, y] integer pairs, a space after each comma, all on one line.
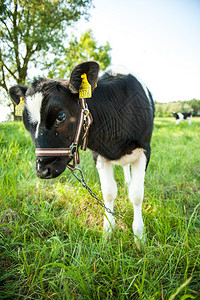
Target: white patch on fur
[[129, 158], [34, 104], [115, 70], [118, 69], [181, 117]]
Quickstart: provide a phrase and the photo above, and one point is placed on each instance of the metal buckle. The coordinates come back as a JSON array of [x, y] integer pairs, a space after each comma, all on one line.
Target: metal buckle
[[86, 113], [73, 149]]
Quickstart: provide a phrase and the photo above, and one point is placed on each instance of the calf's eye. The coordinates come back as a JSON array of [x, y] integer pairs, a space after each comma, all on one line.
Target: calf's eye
[[61, 117]]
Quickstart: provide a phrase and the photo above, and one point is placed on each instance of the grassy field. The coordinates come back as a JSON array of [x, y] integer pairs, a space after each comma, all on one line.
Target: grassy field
[[51, 244]]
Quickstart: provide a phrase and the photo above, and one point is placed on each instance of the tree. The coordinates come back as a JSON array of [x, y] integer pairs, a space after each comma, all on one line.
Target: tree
[[195, 104], [192, 106], [29, 29], [77, 52]]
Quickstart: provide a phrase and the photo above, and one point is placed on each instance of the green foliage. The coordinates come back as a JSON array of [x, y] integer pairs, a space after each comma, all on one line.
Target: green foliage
[[166, 109], [33, 34], [77, 52], [195, 104], [51, 244], [30, 29]]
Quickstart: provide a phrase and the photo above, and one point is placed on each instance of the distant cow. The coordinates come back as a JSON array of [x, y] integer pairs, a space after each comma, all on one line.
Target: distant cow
[[123, 111], [182, 116]]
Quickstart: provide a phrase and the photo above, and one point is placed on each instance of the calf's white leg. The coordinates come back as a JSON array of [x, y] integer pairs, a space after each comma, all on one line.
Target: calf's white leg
[[136, 193], [109, 190], [127, 174]]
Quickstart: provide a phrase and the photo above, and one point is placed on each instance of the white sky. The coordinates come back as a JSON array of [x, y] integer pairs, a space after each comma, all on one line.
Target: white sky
[[157, 39]]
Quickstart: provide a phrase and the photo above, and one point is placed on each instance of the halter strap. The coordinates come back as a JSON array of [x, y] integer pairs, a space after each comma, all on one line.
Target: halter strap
[[85, 120]]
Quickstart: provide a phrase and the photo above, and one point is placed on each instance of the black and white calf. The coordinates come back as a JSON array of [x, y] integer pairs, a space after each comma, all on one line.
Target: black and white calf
[[123, 113], [182, 116]]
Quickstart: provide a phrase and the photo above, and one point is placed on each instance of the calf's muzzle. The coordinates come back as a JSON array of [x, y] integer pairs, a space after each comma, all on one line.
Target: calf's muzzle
[[50, 167]]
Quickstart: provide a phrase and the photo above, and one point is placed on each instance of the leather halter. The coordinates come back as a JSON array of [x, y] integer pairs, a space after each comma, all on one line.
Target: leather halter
[[85, 120]]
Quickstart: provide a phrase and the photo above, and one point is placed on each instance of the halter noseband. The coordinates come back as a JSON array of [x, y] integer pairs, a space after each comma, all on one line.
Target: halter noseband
[[85, 120]]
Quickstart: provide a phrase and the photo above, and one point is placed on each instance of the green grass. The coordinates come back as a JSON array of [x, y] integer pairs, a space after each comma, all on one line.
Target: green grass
[[51, 244]]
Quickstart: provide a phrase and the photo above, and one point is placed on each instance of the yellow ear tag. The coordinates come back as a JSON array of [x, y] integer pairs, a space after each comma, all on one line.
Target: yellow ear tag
[[85, 90], [20, 107]]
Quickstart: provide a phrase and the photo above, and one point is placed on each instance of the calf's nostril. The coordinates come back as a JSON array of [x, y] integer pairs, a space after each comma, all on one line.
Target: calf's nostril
[[45, 172]]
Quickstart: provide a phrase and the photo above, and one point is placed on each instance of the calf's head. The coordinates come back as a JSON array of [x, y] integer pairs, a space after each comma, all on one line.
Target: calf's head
[[51, 114]]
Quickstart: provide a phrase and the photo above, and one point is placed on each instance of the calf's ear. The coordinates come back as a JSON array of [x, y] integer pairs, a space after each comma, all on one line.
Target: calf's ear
[[16, 92], [90, 68]]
